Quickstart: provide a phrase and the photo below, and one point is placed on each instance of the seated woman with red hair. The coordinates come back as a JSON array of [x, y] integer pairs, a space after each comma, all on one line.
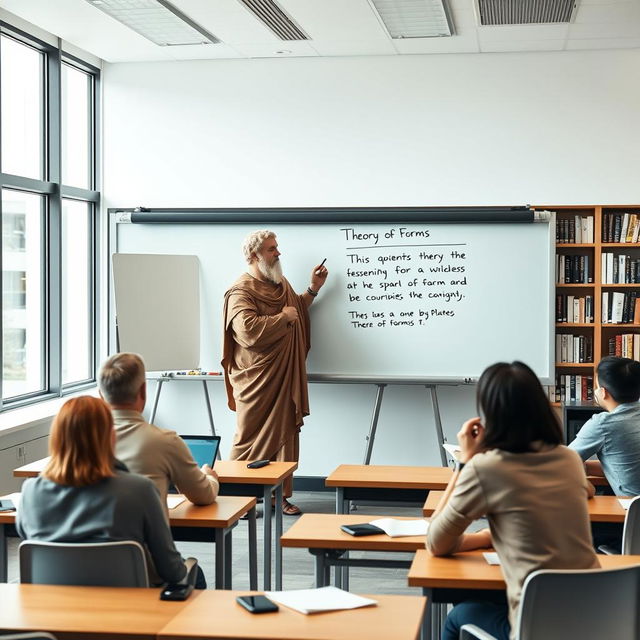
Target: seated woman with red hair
[[85, 495]]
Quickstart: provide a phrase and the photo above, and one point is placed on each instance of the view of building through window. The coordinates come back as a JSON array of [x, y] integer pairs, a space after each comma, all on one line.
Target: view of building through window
[[48, 203], [22, 293]]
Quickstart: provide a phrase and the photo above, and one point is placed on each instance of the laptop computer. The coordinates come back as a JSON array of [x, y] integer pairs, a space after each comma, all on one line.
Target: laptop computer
[[204, 449]]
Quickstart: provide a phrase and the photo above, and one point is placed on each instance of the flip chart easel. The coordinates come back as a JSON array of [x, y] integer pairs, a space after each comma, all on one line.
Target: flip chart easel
[[162, 378]]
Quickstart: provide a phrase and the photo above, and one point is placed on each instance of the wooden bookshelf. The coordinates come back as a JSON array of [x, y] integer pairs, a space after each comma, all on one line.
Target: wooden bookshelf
[[599, 332]]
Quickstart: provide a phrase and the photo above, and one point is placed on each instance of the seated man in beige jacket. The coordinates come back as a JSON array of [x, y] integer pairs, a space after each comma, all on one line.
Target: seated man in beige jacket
[[157, 453]]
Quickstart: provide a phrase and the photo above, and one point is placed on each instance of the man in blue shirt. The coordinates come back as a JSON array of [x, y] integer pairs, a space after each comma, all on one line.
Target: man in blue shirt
[[614, 434]]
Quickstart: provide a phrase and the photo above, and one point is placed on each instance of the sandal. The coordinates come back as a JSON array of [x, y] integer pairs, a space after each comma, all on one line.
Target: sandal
[[289, 509]]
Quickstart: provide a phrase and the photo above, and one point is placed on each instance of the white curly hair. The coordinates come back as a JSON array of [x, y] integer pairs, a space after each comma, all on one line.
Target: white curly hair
[[254, 241]]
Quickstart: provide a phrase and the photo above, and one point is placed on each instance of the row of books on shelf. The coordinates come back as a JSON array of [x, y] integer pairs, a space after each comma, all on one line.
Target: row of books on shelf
[[576, 230], [570, 348], [619, 269], [574, 308], [572, 388], [620, 227], [625, 345], [573, 269], [620, 308]]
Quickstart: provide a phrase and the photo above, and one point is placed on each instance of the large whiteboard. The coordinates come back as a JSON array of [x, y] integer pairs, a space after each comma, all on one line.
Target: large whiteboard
[[403, 302]]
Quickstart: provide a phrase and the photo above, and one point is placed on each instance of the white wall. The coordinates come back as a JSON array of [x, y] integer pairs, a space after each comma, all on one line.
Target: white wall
[[558, 128]]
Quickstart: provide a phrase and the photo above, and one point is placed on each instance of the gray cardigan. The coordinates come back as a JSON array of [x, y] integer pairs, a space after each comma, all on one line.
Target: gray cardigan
[[124, 507]]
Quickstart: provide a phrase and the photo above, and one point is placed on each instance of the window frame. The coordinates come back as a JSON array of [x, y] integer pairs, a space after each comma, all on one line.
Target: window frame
[[54, 191]]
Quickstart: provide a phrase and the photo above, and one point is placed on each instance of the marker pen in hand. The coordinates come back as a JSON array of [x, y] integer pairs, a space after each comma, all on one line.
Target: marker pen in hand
[[321, 265]]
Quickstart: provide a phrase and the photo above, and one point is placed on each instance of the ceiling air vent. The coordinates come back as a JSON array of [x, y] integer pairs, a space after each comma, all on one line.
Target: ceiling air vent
[[504, 12], [274, 17]]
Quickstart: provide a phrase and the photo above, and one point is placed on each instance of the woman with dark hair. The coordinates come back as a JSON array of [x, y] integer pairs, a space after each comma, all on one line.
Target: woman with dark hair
[[514, 470], [85, 495]]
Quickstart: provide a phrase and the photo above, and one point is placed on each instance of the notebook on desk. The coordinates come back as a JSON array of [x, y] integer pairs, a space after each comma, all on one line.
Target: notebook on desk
[[204, 449]]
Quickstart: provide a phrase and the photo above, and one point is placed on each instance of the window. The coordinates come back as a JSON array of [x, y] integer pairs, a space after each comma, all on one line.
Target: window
[[22, 108], [77, 307], [49, 200]]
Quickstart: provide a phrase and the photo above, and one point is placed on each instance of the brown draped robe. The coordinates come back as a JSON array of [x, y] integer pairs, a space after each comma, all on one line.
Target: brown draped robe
[[264, 365]]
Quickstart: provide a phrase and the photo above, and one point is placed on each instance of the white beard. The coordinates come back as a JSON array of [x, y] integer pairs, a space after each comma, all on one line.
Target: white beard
[[272, 273]]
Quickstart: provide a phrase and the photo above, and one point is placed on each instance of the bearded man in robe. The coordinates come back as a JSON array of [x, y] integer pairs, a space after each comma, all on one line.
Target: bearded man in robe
[[266, 341]]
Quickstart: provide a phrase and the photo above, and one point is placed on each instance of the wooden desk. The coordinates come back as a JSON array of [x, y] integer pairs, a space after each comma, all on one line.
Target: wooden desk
[[218, 519], [87, 613], [601, 508], [235, 480], [385, 482], [215, 614], [321, 534], [442, 579], [32, 469]]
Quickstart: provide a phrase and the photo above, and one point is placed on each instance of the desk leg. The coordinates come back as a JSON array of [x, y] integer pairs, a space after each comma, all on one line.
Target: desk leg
[[220, 543], [278, 545], [253, 551], [426, 630], [266, 496], [322, 568], [3, 553], [340, 510], [228, 555]]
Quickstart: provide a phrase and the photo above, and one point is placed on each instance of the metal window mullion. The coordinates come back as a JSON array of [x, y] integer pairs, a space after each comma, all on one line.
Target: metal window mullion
[[77, 193], [32, 185], [54, 227]]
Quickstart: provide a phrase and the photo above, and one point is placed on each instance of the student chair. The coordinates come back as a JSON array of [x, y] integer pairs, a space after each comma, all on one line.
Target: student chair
[[589, 604], [100, 564], [630, 532]]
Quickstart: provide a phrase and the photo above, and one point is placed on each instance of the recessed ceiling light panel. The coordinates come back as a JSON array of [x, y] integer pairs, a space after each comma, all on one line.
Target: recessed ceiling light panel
[[156, 20], [415, 18]]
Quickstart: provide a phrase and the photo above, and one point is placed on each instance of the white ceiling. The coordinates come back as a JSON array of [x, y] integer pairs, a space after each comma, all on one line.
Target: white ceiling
[[336, 28]]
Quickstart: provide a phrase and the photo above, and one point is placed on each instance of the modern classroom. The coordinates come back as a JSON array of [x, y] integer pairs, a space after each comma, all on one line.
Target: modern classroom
[[467, 169]]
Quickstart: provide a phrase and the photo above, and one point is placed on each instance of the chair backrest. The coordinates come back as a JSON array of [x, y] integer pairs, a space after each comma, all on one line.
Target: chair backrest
[[100, 564], [631, 531], [589, 604]]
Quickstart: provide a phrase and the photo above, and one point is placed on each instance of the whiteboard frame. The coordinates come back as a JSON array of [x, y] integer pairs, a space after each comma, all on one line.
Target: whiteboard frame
[[333, 215]]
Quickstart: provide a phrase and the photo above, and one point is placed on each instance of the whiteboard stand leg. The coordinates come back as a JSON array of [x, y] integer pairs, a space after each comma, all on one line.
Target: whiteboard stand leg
[[208, 401], [152, 417], [438, 421], [374, 424]]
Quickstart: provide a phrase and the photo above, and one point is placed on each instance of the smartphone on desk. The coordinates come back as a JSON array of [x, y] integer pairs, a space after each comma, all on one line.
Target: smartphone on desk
[[361, 529], [257, 604], [176, 592], [7, 505]]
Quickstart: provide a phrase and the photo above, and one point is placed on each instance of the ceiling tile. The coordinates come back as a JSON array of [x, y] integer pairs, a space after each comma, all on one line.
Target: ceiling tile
[[515, 33], [522, 45], [603, 43], [454, 44], [336, 20], [354, 48], [262, 50]]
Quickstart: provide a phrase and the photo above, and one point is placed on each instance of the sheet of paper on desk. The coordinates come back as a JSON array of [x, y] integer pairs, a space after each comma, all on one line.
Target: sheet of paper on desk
[[625, 502], [317, 600], [174, 501], [397, 528], [452, 449], [491, 557], [14, 497]]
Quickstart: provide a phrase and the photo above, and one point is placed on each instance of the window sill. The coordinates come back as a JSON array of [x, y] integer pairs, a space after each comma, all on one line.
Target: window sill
[[35, 417]]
